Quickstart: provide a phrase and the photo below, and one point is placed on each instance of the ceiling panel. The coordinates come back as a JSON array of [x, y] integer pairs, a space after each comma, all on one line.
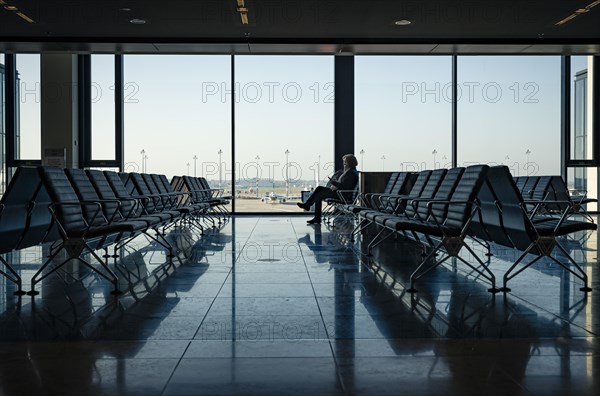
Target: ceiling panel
[[302, 22]]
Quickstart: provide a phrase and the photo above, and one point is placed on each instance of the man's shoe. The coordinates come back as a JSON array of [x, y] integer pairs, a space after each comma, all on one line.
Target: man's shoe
[[314, 221], [302, 205]]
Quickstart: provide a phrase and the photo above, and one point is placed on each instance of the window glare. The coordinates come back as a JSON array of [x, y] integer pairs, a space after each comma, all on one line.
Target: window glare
[[103, 107], [169, 118], [403, 112], [29, 106], [284, 129], [509, 112]]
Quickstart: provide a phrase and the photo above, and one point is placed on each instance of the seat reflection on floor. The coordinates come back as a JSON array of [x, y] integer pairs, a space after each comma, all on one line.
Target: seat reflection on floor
[[268, 305]]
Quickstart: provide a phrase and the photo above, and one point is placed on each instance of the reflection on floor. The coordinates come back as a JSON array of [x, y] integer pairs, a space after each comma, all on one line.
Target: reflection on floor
[[272, 306]]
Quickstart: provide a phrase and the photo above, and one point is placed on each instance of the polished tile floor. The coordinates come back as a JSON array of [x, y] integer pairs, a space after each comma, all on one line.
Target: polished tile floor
[[269, 305]]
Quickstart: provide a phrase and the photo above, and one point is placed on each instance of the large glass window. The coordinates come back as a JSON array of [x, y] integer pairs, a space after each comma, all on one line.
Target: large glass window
[[28, 103], [582, 180], [581, 114], [403, 112], [284, 129], [509, 112], [178, 116], [103, 107]]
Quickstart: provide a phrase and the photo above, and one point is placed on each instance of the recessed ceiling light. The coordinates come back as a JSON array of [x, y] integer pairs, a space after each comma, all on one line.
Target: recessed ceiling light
[[402, 22], [125, 9], [137, 21], [577, 12], [10, 8], [25, 17]]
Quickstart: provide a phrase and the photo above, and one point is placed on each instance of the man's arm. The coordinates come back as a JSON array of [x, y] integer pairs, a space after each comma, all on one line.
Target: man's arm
[[333, 180], [347, 181]]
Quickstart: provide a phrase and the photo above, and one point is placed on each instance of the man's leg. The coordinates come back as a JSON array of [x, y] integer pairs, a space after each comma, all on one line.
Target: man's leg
[[319, 194], [324, 193], [318, 204]]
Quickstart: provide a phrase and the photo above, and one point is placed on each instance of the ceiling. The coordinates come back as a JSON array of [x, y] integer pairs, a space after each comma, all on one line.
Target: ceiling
[[301, 26]]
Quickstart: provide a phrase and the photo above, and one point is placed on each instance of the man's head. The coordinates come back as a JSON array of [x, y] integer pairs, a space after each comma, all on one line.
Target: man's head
[[349, 161]]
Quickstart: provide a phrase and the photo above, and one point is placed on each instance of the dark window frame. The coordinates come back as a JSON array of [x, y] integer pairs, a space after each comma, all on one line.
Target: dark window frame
[[11, 116], [86, 159], [566, 116]]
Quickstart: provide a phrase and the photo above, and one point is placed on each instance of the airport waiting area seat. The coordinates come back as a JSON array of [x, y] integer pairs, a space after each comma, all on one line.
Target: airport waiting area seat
[[513, 226], [335, 206], [24, 218], [78, 212], [399, 183], [83, 211], [439, 221], [199, 192], [554, 188], [447, 209]]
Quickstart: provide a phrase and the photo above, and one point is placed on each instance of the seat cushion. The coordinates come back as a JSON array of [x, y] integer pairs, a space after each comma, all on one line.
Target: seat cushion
[[567, 227]]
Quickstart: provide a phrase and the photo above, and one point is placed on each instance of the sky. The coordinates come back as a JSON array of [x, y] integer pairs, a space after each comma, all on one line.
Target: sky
[[179, 106]]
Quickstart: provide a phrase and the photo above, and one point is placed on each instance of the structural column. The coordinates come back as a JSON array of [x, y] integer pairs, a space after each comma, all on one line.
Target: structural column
[[343, 108]]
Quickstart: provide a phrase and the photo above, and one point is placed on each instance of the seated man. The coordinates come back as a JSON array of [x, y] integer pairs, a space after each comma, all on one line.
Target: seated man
[[346, 181]]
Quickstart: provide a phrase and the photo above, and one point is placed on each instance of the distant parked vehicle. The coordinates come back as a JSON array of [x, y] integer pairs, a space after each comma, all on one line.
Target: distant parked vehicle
[[273, 198]]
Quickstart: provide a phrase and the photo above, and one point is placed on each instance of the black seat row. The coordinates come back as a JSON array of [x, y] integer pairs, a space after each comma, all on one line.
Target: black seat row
[[24, 218], [86, 210], [437, 213], [554, 188], [335, 206], [352, 204], [399, 183], [446, 206], [198, 189], [505, 221]]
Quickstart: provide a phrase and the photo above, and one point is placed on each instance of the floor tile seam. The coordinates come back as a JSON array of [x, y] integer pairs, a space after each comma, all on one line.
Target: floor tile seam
[[313, 289], [168, 381], [439, 316], [521, 386], [462, 270], [333, 355], [113, 305], [406, 300], [214, 299], [222, 284], [557, 316], [312, 286], [223, 358], [79, 322], [244, 245]]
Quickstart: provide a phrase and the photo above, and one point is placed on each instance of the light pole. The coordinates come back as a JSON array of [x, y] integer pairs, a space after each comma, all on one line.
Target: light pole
[[287, 178], [444, 158], [362, 159], [383, 162], [145, 163], [527, 153], [195, 161], [257, 174], [188, 167], [220, 152], [143, 153], [434, 152], [318, 174]]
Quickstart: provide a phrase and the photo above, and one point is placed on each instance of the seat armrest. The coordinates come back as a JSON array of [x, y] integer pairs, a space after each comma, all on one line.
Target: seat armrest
[[340, 194]]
